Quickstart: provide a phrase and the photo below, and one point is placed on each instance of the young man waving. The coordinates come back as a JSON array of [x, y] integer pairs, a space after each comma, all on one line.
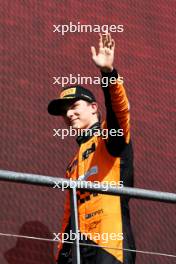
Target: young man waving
[[104, 219]]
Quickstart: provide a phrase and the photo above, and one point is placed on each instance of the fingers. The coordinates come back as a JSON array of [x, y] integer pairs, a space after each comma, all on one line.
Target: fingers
[[93, 50], [104, 40], [113, 44], [100, 41], [107, 41]]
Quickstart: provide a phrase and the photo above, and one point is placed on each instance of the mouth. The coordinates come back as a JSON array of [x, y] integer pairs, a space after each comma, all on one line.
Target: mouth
[[74, 123], [71, 121]]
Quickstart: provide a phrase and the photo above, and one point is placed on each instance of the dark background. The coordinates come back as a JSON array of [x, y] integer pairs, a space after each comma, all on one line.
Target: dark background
[[31, 54]]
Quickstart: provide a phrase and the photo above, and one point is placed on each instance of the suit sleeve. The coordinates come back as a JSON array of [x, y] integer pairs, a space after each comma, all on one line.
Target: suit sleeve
[[117, 113]]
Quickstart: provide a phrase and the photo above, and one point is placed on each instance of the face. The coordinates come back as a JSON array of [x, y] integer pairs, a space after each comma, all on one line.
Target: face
[[81, 114]]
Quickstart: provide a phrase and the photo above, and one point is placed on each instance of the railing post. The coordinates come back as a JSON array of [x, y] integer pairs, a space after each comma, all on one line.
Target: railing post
[[74, 227]]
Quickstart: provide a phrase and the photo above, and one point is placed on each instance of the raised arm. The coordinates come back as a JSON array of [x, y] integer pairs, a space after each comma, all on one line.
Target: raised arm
[[117, 105], [104, 59]]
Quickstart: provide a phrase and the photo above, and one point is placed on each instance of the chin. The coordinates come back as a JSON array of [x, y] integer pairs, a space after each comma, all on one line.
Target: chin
[[75, 126], [78, 125]]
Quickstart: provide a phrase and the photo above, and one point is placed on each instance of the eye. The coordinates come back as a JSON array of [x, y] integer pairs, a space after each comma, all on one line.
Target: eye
[[74, 105]]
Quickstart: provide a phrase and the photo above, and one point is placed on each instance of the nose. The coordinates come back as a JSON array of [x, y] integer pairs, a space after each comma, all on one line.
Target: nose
[[69, 113]]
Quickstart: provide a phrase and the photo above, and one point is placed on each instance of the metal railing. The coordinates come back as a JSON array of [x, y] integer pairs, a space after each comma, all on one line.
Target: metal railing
[[49, 181]]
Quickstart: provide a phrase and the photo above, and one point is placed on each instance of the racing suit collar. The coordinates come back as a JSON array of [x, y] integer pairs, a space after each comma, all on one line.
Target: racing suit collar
[[85, 136]]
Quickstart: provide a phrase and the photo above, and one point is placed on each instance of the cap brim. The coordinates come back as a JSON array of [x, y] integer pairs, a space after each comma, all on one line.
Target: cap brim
[[58, 106]]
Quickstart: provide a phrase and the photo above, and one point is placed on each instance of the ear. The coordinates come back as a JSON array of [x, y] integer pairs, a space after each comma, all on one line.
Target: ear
[[94, 106]]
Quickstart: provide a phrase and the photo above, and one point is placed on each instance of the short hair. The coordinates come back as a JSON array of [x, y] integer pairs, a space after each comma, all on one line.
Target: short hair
[[99, 116]]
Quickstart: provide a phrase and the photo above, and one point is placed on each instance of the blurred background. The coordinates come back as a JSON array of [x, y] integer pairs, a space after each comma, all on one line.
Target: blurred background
[[31, 55]]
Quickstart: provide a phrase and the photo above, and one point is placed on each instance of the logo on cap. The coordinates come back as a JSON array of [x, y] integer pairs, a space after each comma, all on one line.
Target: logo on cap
[[70, 91]]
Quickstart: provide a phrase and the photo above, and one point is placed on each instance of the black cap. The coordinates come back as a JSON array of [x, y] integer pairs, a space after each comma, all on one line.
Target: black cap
[[68, 96]]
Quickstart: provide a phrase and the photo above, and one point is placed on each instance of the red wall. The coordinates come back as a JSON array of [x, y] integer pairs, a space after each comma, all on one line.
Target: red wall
[[31, 54]]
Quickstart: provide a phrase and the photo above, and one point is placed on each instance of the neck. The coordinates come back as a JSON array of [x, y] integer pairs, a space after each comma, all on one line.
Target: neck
[[86, 135]]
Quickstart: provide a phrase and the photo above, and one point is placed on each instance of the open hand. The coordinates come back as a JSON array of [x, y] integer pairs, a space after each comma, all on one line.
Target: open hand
[[105, 57]]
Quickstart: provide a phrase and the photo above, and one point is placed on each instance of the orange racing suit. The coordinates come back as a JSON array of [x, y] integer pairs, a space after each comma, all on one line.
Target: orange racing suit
[[104, 160]]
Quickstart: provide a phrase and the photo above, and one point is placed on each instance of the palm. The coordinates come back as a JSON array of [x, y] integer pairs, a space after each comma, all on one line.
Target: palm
[[105, 56]]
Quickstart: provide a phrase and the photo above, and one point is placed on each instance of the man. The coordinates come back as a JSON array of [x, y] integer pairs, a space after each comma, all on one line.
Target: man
[[104, 160]]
